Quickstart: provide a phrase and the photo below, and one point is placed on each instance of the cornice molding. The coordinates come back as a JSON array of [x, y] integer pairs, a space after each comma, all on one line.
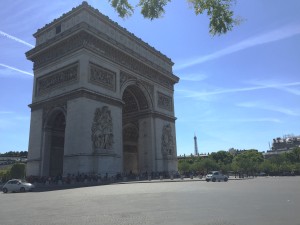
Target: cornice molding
[[78, 93]]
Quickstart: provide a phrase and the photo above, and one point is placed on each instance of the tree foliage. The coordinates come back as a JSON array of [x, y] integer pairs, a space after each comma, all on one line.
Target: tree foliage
[[18, 170], [222, 157], [14, 154], [220, 13], [249, 162], [5, 174]]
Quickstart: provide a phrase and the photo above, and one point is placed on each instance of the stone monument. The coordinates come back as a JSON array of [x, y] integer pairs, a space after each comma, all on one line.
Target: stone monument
[[102, 100]]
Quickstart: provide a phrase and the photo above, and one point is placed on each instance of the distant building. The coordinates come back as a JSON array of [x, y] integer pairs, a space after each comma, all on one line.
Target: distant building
[[6, 160], [285, 144], [234, 152]]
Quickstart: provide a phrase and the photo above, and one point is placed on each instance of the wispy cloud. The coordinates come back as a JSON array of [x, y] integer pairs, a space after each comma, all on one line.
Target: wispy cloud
[[232, 120], [253, 120], [193, 77], [5, 124], [277, 85], [16, 69], [16, 39], [290, 90], [199, 94], [6, 112], [258, 105], [10, 120], [265, 38]]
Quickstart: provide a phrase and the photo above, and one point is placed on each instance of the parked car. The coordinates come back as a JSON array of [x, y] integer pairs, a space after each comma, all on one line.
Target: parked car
[[17, 185], [262, 174], [216, 176]]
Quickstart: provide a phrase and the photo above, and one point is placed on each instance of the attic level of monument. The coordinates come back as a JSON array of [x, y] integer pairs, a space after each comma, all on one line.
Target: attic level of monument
[[81, 39], [104, 27]]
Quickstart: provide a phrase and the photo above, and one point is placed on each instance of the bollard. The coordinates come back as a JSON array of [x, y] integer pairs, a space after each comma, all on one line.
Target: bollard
[[149, 178]]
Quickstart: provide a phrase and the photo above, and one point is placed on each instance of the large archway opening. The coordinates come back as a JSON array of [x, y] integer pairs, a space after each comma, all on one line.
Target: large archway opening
[[135, 104], [56, 135]]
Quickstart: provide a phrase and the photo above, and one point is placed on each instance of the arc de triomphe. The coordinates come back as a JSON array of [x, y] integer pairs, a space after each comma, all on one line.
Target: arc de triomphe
[[102, 100]]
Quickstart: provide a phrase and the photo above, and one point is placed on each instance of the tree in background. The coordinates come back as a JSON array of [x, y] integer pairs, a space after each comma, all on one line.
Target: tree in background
[[267, 167], [184, 166], [248, 161], [18, 171], [5, 174], [220, 14], [294, 155], [222, 157], [210, 164], [14, 154]]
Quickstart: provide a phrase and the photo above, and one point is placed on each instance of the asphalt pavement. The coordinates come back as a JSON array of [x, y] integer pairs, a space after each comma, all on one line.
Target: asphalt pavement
[[259, 201]]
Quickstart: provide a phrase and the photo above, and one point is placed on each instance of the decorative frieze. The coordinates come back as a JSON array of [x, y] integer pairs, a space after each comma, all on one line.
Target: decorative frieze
[[56, 79], [94, 44], [58, 51], [102, 76], [164, 101], [167, 141], [117, 56], [102, 130]]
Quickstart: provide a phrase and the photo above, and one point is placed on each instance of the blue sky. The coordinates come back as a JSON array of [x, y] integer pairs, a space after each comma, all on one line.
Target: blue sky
[[237, 90]]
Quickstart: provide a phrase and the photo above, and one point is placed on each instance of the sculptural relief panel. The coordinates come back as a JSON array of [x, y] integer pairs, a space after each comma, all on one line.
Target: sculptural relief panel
[[102, 130], [164, 101], [56, 79], [102, 76], [167, 141]]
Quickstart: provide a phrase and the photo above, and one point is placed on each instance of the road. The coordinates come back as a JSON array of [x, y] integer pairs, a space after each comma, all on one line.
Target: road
[[259, 201]]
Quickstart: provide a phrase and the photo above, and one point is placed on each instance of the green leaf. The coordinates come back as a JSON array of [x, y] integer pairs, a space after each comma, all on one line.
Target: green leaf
[[123, 8], [219, 13], [153, 8]]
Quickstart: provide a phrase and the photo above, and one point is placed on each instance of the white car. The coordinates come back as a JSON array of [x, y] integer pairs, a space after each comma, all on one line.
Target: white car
[[17, 185], [216, 176]]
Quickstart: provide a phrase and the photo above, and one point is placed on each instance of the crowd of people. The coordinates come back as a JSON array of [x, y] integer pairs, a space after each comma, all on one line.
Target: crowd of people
[[99, 178]]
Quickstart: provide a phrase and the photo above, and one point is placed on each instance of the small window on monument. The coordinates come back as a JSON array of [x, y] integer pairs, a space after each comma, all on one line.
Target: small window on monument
[[58, 29]]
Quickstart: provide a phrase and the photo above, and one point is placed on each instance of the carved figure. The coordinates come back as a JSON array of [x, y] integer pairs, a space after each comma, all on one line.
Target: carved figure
[[167, 141], [102, 134]]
